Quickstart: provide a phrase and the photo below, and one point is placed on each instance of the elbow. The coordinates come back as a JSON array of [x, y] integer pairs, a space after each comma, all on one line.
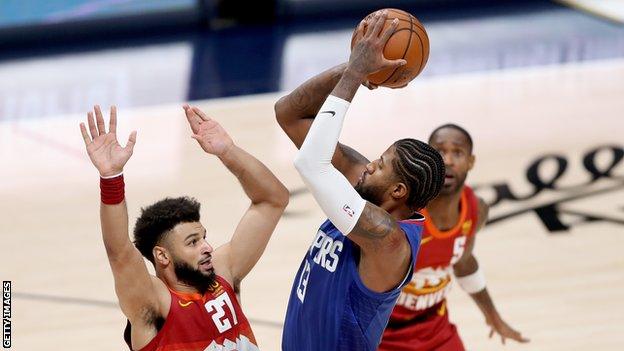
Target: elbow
[[279, 108], [300, 163], [282, 198], [304, 165]]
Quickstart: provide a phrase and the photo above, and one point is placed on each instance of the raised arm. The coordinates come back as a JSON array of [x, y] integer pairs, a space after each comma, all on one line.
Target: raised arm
[[137, 291], [296, 111], [385, 251], [268, 198], [472, 280]]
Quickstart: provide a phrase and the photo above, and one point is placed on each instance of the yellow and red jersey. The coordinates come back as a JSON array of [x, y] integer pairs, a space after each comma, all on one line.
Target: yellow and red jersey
[[439, 250], [212, 321]]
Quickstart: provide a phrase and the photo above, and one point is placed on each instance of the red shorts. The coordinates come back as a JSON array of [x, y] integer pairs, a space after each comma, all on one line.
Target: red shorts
[[431, 331]]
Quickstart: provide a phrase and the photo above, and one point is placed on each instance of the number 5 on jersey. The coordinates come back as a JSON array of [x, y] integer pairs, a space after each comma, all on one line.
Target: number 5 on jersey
[[458, 248]]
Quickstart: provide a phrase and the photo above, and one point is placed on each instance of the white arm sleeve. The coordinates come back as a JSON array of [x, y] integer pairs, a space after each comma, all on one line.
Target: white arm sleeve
[[333, 192]]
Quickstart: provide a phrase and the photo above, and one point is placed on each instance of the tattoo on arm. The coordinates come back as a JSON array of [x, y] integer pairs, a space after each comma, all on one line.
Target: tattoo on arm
[[374, 223], [309, 96]]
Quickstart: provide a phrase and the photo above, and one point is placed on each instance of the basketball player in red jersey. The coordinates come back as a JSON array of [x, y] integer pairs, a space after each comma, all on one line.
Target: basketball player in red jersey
[[191, 303], [419, 321]]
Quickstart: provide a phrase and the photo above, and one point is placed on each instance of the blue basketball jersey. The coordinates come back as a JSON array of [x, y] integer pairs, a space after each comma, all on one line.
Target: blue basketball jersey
[[330, 308]]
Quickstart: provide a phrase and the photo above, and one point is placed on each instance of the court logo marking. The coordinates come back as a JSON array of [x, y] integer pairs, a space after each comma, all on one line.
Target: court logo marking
[[603, 180]]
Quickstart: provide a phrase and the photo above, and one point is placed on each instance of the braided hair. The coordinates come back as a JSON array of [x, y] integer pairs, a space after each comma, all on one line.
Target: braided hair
[[421, 167]]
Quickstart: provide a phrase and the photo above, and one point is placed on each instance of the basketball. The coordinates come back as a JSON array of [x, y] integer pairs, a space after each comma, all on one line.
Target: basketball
[[409, 41]]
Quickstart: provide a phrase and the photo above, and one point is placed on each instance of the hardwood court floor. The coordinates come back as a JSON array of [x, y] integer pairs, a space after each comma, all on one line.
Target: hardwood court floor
[[561, 289]]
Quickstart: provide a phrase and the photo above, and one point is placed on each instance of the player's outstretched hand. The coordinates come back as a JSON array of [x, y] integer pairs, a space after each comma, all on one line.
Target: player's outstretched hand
[[367, 55], [500, 327], [103, 148], [370, 85], [208, 133]]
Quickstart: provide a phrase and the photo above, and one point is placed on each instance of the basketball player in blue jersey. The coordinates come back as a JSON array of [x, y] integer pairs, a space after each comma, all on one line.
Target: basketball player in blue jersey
[[364, 253]]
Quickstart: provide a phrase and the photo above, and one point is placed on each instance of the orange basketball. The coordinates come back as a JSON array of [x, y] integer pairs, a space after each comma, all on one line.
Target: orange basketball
[[409, 41]]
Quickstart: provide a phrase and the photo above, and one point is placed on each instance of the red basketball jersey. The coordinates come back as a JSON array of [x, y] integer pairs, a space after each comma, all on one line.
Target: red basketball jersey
[[433, 270], [213, 321]]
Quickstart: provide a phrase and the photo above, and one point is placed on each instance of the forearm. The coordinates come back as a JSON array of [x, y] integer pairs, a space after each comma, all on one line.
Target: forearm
[[258, 182], [332, 191], [348, 84], [485, 303], [306, 100], [472, 281], [114, 219]]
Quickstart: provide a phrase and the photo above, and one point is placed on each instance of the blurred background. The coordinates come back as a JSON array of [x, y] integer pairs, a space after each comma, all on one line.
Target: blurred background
[[538, 83], [146, 52]]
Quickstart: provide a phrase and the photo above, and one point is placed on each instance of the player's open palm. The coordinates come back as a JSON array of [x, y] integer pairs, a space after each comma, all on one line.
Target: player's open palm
[[209, 133], [103, 148]]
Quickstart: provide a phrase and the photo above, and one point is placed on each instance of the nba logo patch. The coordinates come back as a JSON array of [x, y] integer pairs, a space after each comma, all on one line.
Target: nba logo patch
[[348, 210]]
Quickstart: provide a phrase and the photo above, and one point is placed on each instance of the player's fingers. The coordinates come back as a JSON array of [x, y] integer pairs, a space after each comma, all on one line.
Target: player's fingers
[[99, 120], [370, 25], [92, 128], [399, 87], [201, 113], [370, 85], [196, 137], [390, 30], [112, 123], [131, 141], [518, 337], [380, 20], [366, 26], [394, 63], [85, 135], [491, 333], [192, 118], [362, 27]]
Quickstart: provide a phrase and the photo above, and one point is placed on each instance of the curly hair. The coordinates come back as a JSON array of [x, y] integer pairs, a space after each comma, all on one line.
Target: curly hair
[[421, 167], [157, 219]]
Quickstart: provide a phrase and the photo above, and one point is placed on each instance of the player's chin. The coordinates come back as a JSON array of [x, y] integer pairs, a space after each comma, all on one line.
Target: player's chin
[[448, 188]]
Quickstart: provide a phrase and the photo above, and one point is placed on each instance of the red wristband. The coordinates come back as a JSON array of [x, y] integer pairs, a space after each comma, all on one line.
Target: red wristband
[[112, 190]]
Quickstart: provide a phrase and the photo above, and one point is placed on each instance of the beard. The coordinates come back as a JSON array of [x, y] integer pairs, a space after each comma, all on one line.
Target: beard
[[193, 277], [371, 193]]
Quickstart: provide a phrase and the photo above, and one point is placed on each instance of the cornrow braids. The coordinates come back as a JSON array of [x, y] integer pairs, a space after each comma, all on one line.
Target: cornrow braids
[[421, 167]]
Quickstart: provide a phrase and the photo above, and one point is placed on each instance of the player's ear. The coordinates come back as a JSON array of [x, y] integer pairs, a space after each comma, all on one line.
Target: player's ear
[[399, 191], [161, 255], [471, 161]]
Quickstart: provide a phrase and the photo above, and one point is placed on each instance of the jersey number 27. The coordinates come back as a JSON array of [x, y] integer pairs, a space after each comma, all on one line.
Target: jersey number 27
[[217, 305]]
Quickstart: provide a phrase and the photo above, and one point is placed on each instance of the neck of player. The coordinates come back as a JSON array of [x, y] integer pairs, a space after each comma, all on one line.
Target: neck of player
[[445, 210]]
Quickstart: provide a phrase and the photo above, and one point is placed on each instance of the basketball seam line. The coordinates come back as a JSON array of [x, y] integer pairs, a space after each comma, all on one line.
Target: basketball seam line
[[416, 24], [409, 43], [422, 56]]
